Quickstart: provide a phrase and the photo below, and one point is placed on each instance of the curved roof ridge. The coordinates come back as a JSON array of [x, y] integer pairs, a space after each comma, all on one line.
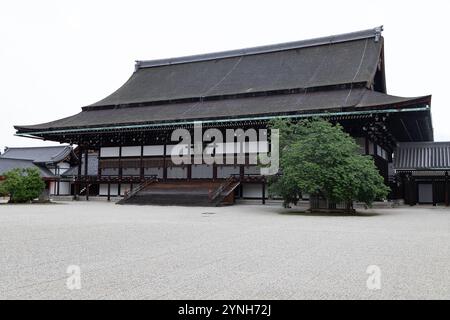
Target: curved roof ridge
[[357, 35]]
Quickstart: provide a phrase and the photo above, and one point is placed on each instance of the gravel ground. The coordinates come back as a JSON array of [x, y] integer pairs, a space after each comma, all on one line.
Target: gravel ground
[[239, 252]]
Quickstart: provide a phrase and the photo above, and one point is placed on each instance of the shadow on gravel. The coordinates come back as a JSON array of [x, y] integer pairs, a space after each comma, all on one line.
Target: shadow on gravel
[[30, 203], [308, 214]]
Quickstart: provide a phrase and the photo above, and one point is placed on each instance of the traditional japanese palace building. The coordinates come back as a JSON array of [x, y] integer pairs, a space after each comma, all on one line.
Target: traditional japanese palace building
[[340, 78]]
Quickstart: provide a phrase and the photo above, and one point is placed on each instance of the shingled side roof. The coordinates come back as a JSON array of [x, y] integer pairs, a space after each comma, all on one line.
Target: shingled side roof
[[422, 156], [10, 164], [38, 155]]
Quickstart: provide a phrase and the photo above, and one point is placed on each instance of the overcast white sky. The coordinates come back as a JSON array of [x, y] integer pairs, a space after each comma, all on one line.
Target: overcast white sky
[[57, 56]]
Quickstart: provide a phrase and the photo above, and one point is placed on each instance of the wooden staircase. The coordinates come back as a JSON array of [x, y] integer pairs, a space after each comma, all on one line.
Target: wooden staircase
[[135, 191], [203, 193]]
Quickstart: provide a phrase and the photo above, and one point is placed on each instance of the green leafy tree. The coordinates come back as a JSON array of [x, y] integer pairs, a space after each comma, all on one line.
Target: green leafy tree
[[22, 185], [319, 158]]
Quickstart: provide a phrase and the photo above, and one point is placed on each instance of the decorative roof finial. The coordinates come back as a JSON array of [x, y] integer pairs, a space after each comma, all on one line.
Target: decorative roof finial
[[137, 65], [378, 31]]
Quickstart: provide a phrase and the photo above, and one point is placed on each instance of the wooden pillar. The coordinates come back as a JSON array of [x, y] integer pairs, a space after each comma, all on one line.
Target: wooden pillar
[[264, 191], [86, 172], [214, 171], [446, 189], [87, 190], [109, 191], [141, 166], [189, 171], [165, 163], [99, 169], [52, 191], [401, 188], [120, 171], [78, 182], [433, 191], [367, 145], [409, 190], [414, 191]]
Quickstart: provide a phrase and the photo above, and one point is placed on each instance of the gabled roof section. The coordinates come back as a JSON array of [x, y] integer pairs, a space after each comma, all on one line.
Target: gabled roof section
[[38, 155], [345, 59], [422, 156], [10, 164]]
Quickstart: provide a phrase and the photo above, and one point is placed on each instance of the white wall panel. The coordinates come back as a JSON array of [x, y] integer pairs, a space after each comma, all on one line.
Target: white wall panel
[[157, 150], [104, 190], [249, 147], [252, 190], [64, 188], [228, 148], [52, 188], [109, 152], [178, 149], [134, 151]]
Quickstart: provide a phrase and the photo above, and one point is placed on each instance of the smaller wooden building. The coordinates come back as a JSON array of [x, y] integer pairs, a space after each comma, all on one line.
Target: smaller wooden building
[[51, 162], [422, 170]]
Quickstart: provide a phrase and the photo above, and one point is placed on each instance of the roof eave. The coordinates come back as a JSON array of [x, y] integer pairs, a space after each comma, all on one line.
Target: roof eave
[[225, 120]]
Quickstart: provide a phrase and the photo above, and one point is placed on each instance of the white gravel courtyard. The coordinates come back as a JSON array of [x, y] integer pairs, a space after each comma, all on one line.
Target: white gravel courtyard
[[239, 252]]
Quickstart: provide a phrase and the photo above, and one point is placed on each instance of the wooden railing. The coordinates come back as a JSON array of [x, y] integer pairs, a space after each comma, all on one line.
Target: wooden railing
[[85, 188], [138, 188], [214, 195]]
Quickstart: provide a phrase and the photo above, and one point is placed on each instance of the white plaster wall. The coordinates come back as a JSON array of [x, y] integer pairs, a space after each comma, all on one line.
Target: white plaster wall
[[178, 149], [251, 190], [134, 151], [109, 152], [64, 188], [52, 188], [104, 189], [157, 150]]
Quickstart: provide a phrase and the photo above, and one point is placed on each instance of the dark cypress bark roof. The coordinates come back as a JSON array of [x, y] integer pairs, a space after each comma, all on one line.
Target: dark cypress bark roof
[[10, 164], [422, 156], [337, 73], [230, 108], [336, 60], [38, 155]]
